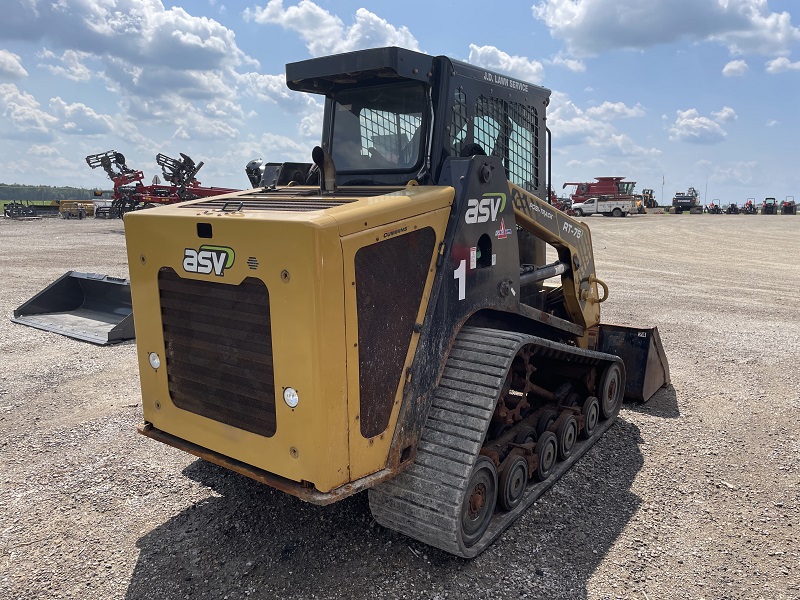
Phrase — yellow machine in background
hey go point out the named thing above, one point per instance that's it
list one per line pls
(386, 319)
(75, 209)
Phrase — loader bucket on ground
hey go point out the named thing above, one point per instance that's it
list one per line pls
(85, 306)
(646, 367)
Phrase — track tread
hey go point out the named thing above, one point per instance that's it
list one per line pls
(390, 503)
(424, 501)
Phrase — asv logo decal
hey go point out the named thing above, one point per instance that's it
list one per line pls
(208, 259)
(485, 209)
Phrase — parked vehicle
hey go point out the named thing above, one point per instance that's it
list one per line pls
(605, 207)
(360, 332)
(688, 201)
(769, 206)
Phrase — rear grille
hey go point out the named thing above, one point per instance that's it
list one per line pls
(219, 350)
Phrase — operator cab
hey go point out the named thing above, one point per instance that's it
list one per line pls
(393, 115)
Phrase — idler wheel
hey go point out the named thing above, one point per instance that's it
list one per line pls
(479, 502)
(513, 481)
(612, 386)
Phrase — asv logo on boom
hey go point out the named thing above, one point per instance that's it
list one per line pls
(485, 209)
(208, 259)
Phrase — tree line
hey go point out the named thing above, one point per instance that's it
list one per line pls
(43, 193)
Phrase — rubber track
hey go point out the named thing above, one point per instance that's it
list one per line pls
(424, 502)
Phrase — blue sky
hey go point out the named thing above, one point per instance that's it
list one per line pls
(698, 93)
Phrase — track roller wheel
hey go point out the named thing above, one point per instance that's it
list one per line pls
(612, 386)
(479, 501)
(513, 481)
(591, 416)
(546, 419)
(498, 429)
(526, 435)
(566, 435)
(547, 450)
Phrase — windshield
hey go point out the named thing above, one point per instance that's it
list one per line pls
(378, 128)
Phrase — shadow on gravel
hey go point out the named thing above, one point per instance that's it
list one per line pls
(250, 541)
(664, 404)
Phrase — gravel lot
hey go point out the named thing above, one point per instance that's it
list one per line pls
(693, 495)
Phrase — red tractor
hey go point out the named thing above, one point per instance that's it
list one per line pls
(130, 194)
(788, 206)
(750, 207)
(769, 207)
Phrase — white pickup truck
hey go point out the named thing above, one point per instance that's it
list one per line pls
(607, 208)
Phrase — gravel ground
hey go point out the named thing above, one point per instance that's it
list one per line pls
(692, 495)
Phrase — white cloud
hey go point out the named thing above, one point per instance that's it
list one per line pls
(591, 26)
(735, 68)
(311, 125)
(739, 173)
(782, 65)
(43, 150)
(325, 33)
(520, 67)
(23, 115)
(615, 110)
(78, 118)
(272, 89)
(693, 128)
(576, 66)
(773, 123)
(571, 125)
(619, 144)
(144, 53)
(71, 66)
(725, 115)
(10, 66)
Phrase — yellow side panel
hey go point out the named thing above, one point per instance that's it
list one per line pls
(368, 455)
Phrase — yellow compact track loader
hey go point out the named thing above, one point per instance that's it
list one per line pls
(388, 317)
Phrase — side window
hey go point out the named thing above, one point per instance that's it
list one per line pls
(487, 134)
(523, 147)
(490, 130)
(506, 129)
(458, 129)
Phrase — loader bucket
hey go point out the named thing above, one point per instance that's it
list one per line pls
(646, 367)
(85, 306)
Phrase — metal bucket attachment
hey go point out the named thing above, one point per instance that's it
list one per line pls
(85, 306)
(646, 367)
